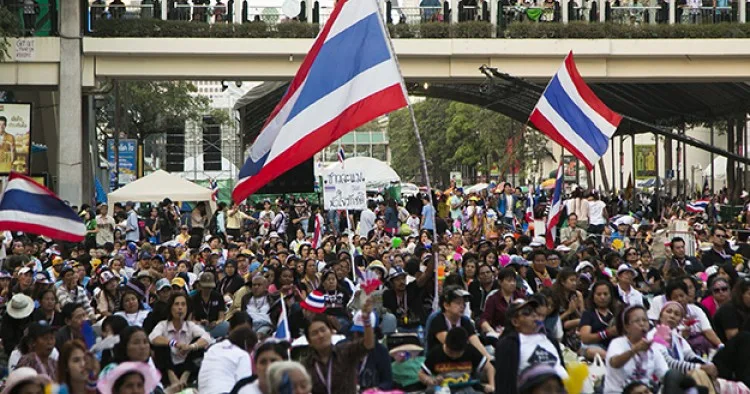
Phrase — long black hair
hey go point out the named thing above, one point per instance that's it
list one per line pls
(121, 348)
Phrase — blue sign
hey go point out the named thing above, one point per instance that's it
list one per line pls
(128, 155)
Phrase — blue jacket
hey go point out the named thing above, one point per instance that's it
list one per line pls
(502, 202)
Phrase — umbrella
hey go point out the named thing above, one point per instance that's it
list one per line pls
(548, 184)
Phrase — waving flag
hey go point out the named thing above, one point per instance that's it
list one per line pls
(349, 77)
(341, 155)
(318, 231)
(529, 217)
(32, 208)
(570, 114)
(214, 186)
(282, 326)
(697, 206)
(553, 217)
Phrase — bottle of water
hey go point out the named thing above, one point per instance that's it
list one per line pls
(420, 334)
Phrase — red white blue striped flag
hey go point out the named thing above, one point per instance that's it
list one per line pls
(553, 217)
(349, 77)
(570, 114)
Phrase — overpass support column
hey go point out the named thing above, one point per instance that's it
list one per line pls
(602, 10)
(493, 16)
(672, 12)
(454, 11)
(565, 16)
(237, 13)
(164, 10)
(70, 136)
(742, 10)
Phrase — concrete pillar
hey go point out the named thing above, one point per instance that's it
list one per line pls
(742, 10)
(49, 122)
(564, 6)
(165, 9)
(602, 10)
(238, 12)
(454, 11)
(308, 10)
(493, 16)
(672, 12)
(70, 138)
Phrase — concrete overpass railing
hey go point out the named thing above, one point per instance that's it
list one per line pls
(497, 12)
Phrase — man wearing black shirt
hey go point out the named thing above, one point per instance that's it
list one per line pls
(718, 254)
(453, 304)
(207, 304)
(689, 264)
(405, 301)
(480, 289)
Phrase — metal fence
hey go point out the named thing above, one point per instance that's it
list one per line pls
(500, 12)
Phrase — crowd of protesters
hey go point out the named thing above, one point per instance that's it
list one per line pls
(418, 294)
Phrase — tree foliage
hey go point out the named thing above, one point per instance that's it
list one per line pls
(461, 137)
(150, 107)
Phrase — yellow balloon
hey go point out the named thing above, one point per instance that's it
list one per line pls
(577, 375)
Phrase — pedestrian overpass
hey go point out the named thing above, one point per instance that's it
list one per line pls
(422, 60)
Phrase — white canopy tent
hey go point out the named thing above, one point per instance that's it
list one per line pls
(720, 163)
(156, 187)
(377, 173)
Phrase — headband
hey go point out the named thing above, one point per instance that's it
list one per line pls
(670, 303)
(627, 310)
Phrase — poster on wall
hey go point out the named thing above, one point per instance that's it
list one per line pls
(128, 155)
(645, 161)
(15, 138)
(344, 190)
(570, 169)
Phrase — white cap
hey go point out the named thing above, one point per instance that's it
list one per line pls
(625, 267)
(583, 264)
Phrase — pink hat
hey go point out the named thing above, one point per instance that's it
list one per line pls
(315, 302)
(151, 376)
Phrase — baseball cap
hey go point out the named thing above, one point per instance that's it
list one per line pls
(179, 282)
(207, 280)
(163, 283)
(452, 293)
(519, 304)
(625, 267)
(584, 264)
(107, 276)
(24, 270)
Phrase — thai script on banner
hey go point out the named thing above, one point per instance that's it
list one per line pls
(344, 190)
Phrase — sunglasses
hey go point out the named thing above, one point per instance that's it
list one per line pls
(720, 289)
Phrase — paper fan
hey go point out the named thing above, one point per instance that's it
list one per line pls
(663, 335)
(371, 282)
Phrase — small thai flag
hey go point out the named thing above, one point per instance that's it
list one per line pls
(555, 209)
(697, 206)
(529, 217)
(282, 327)
(341, 155)
(214, 186)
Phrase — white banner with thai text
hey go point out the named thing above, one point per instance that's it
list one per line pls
(344, 190)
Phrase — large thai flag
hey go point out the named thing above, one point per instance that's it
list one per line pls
(349, 77)
(32, 208)
(553, 217)
(697, 206)
(571, 114)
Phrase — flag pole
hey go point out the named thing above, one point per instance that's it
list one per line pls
(349, 223)
(422, 158)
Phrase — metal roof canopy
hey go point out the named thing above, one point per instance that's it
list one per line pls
(654, 108)
(646, 108)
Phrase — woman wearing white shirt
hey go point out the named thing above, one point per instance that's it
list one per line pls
(227, 362)
(631, 357)
(132, 309)
(597, 214)
(679, 355)
(702, 336)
